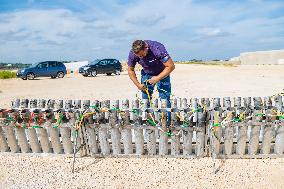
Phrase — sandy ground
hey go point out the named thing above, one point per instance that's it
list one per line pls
(25, 171)
(187, 81)
(54, 172)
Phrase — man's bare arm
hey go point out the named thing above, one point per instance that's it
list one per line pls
(133, 77)
(169, 67)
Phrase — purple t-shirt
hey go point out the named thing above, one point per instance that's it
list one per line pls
(152, 63)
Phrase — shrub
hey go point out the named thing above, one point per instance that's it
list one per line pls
(7, 74)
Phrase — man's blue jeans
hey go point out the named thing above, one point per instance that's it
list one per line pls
(163, 86)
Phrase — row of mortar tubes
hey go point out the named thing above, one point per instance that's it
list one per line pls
(72, 109)
(259, 112)
(42, 111)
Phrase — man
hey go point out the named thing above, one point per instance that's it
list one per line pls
(157, 66)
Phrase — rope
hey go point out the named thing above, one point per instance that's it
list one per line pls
(148, 94)
(58, 118)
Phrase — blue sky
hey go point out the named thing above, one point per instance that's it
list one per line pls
(37, 30)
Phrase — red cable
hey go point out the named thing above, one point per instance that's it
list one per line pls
(30, 119)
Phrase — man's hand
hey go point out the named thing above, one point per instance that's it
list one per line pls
(154, 80)
(141, 87)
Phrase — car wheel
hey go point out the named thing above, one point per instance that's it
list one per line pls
(30, 76)
(94, 73)
(60, 74)
(108, 73)
(117, 72)
(24, 78)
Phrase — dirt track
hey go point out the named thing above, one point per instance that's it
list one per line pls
(187, 81)
(23, 171)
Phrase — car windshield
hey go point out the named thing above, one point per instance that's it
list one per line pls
(34, 65)
(94, 62)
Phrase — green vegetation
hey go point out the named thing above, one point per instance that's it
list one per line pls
(7, 74)
(12, 66)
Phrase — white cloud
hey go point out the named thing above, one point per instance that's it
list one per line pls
(43, 25)
(212, 32)
(188, 28)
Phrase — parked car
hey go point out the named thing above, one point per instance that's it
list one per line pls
(104, 66)
(51, 69)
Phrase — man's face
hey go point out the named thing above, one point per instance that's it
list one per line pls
(142, 53)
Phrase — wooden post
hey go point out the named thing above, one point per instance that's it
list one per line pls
(242, 131)
(216, 131)
(156, 116)
(200, 129)
(187, 130)
(229, 130)
(68, 121)
(42, 132)
(20, 131)
(163, 142)
(208, 110)
(84, 150)
(243, 127)
(44, 138)
(126, 135)
(11, 139)
(10, 133)
(175, 138)
(237, 106)
(92, 129)
(54, 135)
(255, 126)
(32, 135)
(115, 133)
(268, 128)
(3, 143)
(279, 138)
(81, 131)
(103, 135)
(138, 130)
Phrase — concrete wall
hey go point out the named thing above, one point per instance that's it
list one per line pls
(262, 57)
(281, 61)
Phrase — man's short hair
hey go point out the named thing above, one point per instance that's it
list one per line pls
(138, 45)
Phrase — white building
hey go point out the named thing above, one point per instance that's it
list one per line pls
(74, 66)
(262, 57)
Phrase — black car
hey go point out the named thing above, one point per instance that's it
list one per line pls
(51, 69)
(104, 66)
